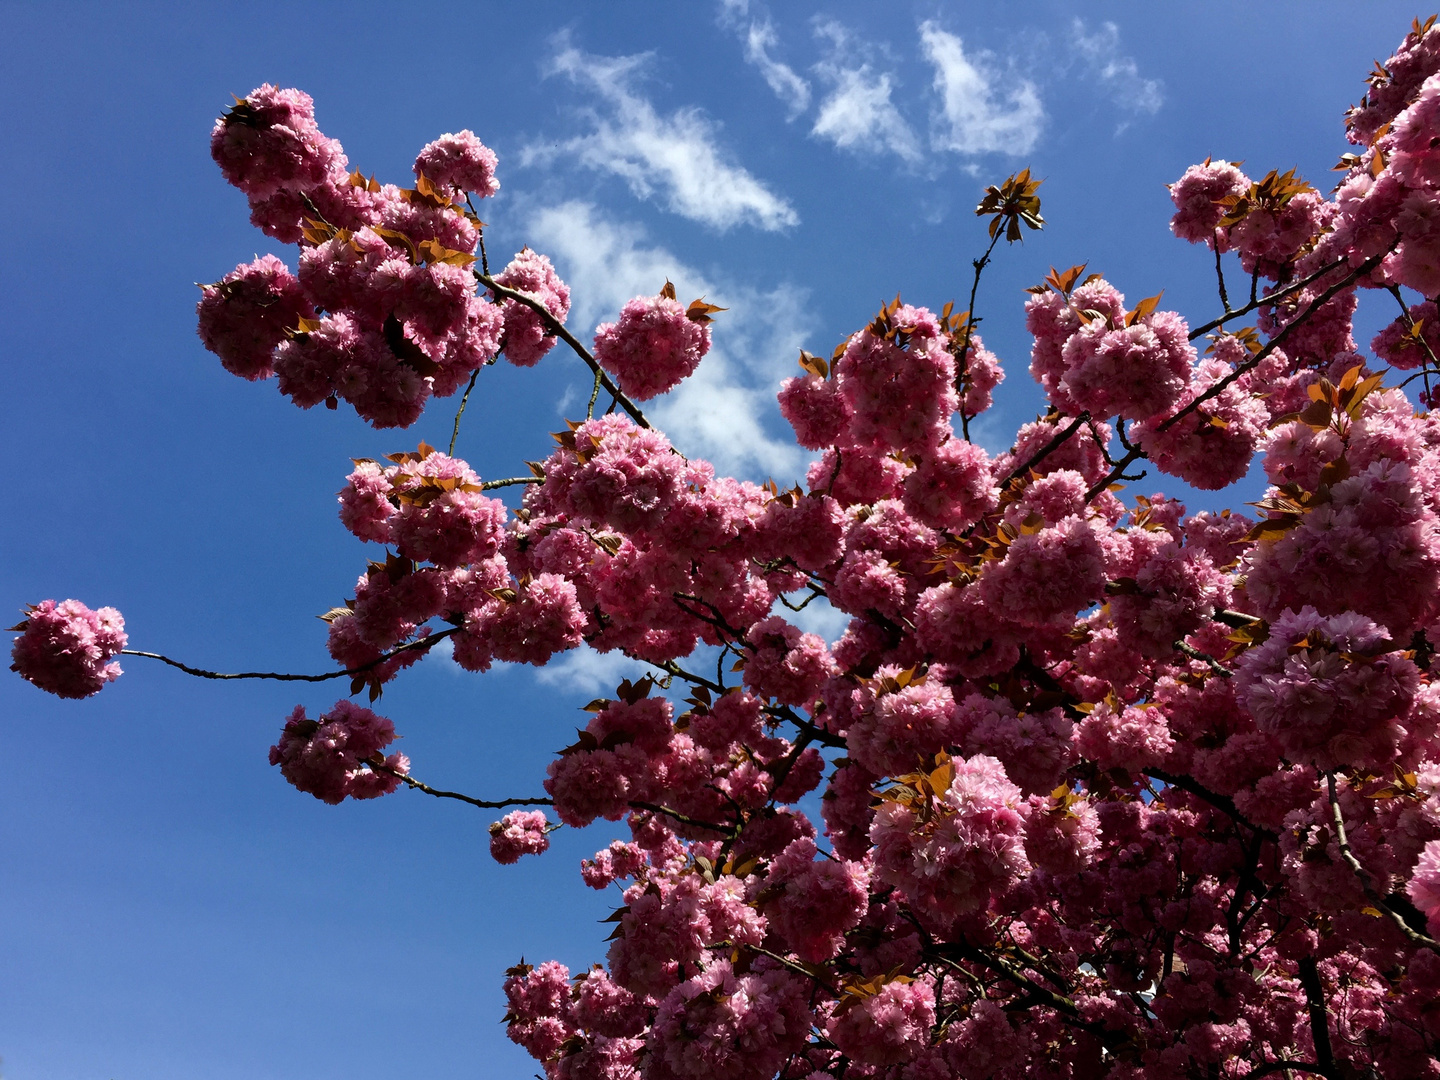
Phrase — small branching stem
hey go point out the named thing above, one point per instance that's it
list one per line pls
(201, 673)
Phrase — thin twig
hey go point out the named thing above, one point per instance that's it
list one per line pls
(510, 481)
(595, 393)
(1205, 658)
(483, 804)
(1274, 343)
(962, 360)
(1118, 473)
(557, 328)
(1220, 276)
(799, 969)
(1309, 974)
(1342, 841)
(464, 400)
(684, 819)
(201, 673)
(672, 668)
(480, 233)
(1045, 451)
(1394, 291)
(1264, 301)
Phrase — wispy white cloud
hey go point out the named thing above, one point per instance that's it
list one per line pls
(858, 113)
(1120, 75)
(672, 157)
(725, 411)
(760, 39)
(789, 87)
(976, 116)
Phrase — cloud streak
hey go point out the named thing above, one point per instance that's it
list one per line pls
(859, 114)
(673, 158)
(1120, 75)
(975, 116)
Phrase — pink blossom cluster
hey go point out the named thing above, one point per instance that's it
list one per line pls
(520, 832)
(339, 754)
(383, 311)
(652, 346)
(66, 648)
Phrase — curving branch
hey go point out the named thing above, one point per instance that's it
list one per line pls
(498, 804)
(201, 673)
(510, 481)
(1275, 342)
(962, 361)
(557, 328)
(1045, 451)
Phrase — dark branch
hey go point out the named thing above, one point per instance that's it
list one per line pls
(1278, 294)
(200, 673)
(556, 327)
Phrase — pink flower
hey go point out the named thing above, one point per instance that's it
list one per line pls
(652, 347)
(459, 162)
(539, 1000)
(1328, 689)
(888, 1027)
(520, 832)
(817, 902)
(65, 648)
(969, 847)
(443, 517)
(952, 486)
(1424, 887)
(900, 385)
(526, 338)
(245, 314)
(1135, 371)
(336, 755)
(898, 726)
(816, 410)
(617, 473)
(1197, 196)
(1125, 738)
(723, 1026)
(1046, 576)
(786, 665)
(268, 142)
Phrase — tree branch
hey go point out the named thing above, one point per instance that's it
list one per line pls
(1046, 450)
(1274, 343)
(464, 400)
(1342, 841)
(1263, 301)
(511, 480)
(557, 328)
(201, 673)
(1309, 974)
(962, 360)
(483, 804)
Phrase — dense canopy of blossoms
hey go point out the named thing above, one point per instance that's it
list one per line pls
(1105, 788)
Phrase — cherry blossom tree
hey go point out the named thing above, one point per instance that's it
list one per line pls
(1107, 789)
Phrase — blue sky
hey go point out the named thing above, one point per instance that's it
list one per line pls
(169, 907)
